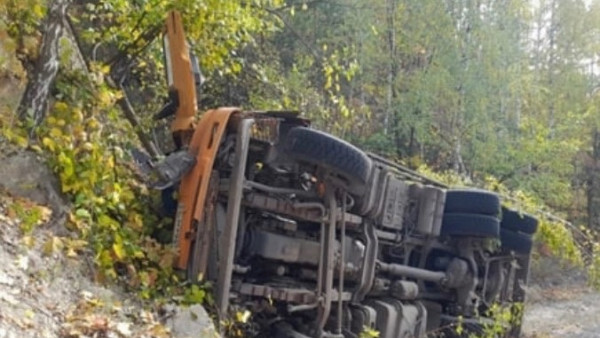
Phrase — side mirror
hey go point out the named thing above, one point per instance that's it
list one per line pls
(167, 60)
(197, 73)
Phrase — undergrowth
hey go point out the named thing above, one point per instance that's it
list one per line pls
(85, 141)
(499, 318)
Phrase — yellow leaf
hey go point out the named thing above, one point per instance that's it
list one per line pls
(93, 124)
(61, 106)
(28, 241)
(36, 148)
(105, 69)
(242, 317)
(29, 313)
(52, 245)
(21, 141)
(23, 262)
(88, 146)
(38, 11)
(77, 244)
(48, 143)
(71, 253)
(45, 213)
(55, 132)
(118, 250)
(110, 273)
(77, 115)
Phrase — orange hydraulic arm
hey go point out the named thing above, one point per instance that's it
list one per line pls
(201, 140)
(180, 77)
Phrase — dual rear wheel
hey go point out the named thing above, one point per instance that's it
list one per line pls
(477, 213)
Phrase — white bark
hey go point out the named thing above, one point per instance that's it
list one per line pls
(392, 7)
(35, 99)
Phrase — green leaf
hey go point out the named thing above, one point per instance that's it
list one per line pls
(83, 213)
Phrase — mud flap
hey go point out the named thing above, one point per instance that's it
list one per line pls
(204, 231)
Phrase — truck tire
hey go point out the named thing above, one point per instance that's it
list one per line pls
(515, 221)
(339, 157)
(517, 242)
(472, 201)
(470, 225)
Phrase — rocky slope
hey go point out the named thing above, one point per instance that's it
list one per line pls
(46, 279)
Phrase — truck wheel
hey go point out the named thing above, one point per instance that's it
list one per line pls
(514, 241)
(341, 158)
(472, 202)
(470, 225)
(515, 221)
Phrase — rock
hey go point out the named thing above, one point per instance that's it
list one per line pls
(192, 321)
(31, 178)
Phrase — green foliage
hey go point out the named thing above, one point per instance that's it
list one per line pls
(22, 18)
(194, 295)
(215, 28)
(473, 91)
(29, 214)
(312, 70)
(594, 270)
(19, 34)
(496, 322)
(83, 138)
(238, 324)
(503, 317)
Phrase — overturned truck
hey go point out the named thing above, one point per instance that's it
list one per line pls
(317, 238)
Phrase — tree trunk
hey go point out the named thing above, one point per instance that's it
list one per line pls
(391, 9)
(593, 187)
(34, 101)
(551, 67)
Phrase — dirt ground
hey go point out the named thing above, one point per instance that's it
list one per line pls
(43, 293)
(559, 303)
(564, 312)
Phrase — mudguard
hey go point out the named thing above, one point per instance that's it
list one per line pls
(194, 185)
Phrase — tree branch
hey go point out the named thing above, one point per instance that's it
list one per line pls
(131, 116)
(123, 103)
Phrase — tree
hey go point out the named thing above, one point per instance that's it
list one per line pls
(34, 102)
